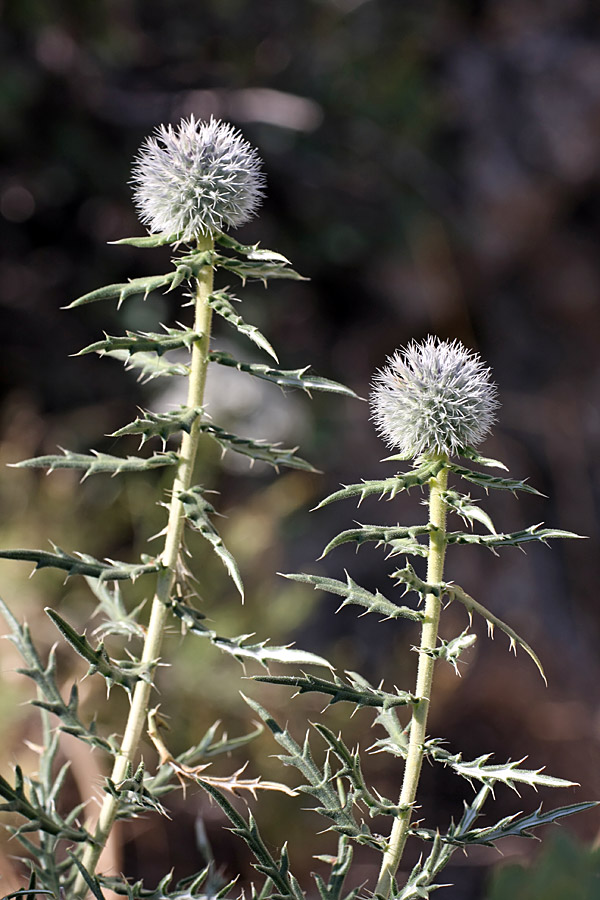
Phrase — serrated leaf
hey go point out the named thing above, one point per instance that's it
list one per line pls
(262, 653)
(220, 302)
(351, 769)
(263, 268)
(37, 818)
(403, 481)
(450, 651)
(491, 481)
(318, 781)
(516, 825)
(455, 592)
(293, 378)
(123, 290)
(257, 450)
(150, 240)
(98, 463)
(467, 509)
(419, 885)
(357, 691)
(145, 342)
(197, 510)
(149, 365)
(44, 677)
(340, 866)
(353, 593)
(513, 539)
(508, 773)
(474, 456)
(83, 564)
(283, 882)
(251, 251)
(161, 425)
(126, 674)
(383, 536)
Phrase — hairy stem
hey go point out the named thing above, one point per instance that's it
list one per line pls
(418, 725)
(170, 555)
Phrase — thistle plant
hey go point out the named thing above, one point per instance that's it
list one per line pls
(433, 403)
(191, 182)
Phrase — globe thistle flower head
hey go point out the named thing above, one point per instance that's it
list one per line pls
(433, 398)
(196, 179)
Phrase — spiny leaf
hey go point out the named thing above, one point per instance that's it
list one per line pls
(149, 365)
(358, 691)
(467, 509)
(45, 679)
(248, 831)
(474, 456)
(117, 619)
(251, 251)
(98, 463)
(37, 818)
(318, 782)
(383, 535)
(412, 581)
(262, 653)
(145, 342)
(513, 539)
(403, 481)
(508, 773)
(351, 769)
(161, 425)
(353, 593)
(197, 510)
(516, 825)
(148, 241)
(261, 269)
(220, 302)
(451, 650)
(122, 291)
(419, 885)
(83, 564)
(491, 481)
(340, 866)
(124, 673)
(240, 647)
(455, 592)
(409, 577)
(270, 453)
(294, 378)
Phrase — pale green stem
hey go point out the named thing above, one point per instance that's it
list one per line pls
(418, 725)
(124, 759)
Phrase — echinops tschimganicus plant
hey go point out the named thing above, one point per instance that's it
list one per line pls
(191, 183)
(433, 403)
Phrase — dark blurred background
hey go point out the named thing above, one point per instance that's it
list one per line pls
(432, 168)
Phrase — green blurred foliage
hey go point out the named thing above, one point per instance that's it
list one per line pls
(564, 869)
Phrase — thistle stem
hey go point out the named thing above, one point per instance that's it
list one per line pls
(173, 542)
(418, 725)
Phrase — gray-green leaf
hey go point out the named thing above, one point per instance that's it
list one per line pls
(197, 510)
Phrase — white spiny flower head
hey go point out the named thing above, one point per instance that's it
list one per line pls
(433, 398)
(196, 179)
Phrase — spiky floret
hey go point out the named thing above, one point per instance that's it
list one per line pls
(433, 398)
(196, 179)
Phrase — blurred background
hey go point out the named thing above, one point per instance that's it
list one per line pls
(432, 168)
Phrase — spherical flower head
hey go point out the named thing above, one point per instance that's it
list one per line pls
(434, 398)
(196, 179)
